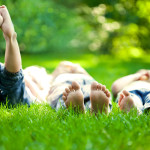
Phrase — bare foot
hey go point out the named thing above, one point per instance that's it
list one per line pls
(73, 97)
(125, 101)
(99, 98)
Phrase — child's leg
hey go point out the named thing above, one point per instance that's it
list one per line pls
(12, 54)
(147, 102)
(12, 87)
(99, 97)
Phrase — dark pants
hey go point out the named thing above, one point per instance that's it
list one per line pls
(12, 88)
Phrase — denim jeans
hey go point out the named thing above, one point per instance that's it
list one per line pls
(12, 88)
(141, 98)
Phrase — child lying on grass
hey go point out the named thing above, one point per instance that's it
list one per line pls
(133, 91)
(71, 85)
(81, 89)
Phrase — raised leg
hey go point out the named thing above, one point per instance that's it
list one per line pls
(12, 54)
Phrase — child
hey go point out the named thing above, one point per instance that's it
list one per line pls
(73, 86)
(133, 91)
(68, 85)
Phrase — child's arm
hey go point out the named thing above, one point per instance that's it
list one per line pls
(121, 83)
(12, 54)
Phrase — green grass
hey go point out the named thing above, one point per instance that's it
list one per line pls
(40, 127)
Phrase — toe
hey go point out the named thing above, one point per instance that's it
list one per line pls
(70, 87)
(126, 93)
(108, 95)
(64, 98)
(65, 94)
(75, 86)
(99, 86)
(106, 91)
(94, 86)
(120, 98)
(103, 88)
(67, 90)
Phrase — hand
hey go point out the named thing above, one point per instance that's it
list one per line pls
(144, 76)
(7, 25)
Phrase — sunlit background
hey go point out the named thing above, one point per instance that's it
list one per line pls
(117, 27)
(109, 38)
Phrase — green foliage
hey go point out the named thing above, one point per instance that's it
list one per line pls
(117, 27)
(43, 25)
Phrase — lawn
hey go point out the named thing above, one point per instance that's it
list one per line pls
(40, 127)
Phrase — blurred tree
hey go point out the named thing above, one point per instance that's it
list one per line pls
(43, 25)
(118, 27)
